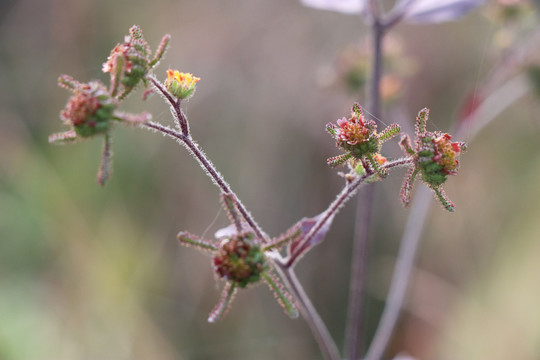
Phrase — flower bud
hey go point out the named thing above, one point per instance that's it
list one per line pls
(240, 261)
(89, 110)
(438, 157)
(180, 85)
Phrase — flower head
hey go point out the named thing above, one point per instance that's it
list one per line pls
(435, 157)
(240, 260)
(89, 110)
(180, 85)
(358, 136)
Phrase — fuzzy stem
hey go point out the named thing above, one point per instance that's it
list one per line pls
(207, 165)
(178, 114)
(230, 206)
(218, 179)
(346, 193)
(318, 328)
(106, 158)
(191, 240)
(284, 239)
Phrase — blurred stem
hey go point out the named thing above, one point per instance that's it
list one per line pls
(402, 272)
(499, 100)
(341, 199)
(311, 316)
(285, 266)
(354, 334)
(364, 208)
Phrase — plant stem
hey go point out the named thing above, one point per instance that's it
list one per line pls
(500, 99)
(353, 343)
(402, 272)
(354, 333)
(212, 172)
(318, 328)
(346, 193)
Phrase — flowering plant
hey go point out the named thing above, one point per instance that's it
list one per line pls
(243, 255)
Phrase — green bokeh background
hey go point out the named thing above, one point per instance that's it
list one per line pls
(96, 273)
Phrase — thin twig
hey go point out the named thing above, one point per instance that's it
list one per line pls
(212, 172)
(341, 199)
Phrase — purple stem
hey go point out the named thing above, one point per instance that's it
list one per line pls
(353, 341)
(210, 168)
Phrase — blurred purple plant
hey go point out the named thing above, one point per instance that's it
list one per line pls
(342, 6)
(435, 11)
(411, 11)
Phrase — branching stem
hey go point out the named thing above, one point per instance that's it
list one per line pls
(207, 165)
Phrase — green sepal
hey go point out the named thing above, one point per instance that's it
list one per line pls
(389, 132)
(282, 296)
(443, 198)
(224, 303)
(336, 161)
(382, 173)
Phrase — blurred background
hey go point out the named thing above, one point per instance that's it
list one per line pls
(96, 273)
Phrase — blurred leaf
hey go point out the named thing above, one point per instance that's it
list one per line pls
(435, 11)
(298, 247)
(342, 6)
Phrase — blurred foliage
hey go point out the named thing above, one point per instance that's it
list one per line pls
(89, 273)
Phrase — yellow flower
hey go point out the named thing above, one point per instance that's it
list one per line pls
(179, 84)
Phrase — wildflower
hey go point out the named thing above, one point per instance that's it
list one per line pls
(90, 109)
(90, 112)
(435, 157)
(240, 260)
(358, 136)
(180, 85)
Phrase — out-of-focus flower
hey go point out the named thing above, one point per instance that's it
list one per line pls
(342, 6)
(89, 111)
(351, 68)
(435, 11)
(412, 11)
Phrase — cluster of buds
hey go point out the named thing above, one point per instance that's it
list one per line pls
(434, 156)
(241, 259)
(130, 62)
(90, 109)
(358, 136)
(93, 107)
